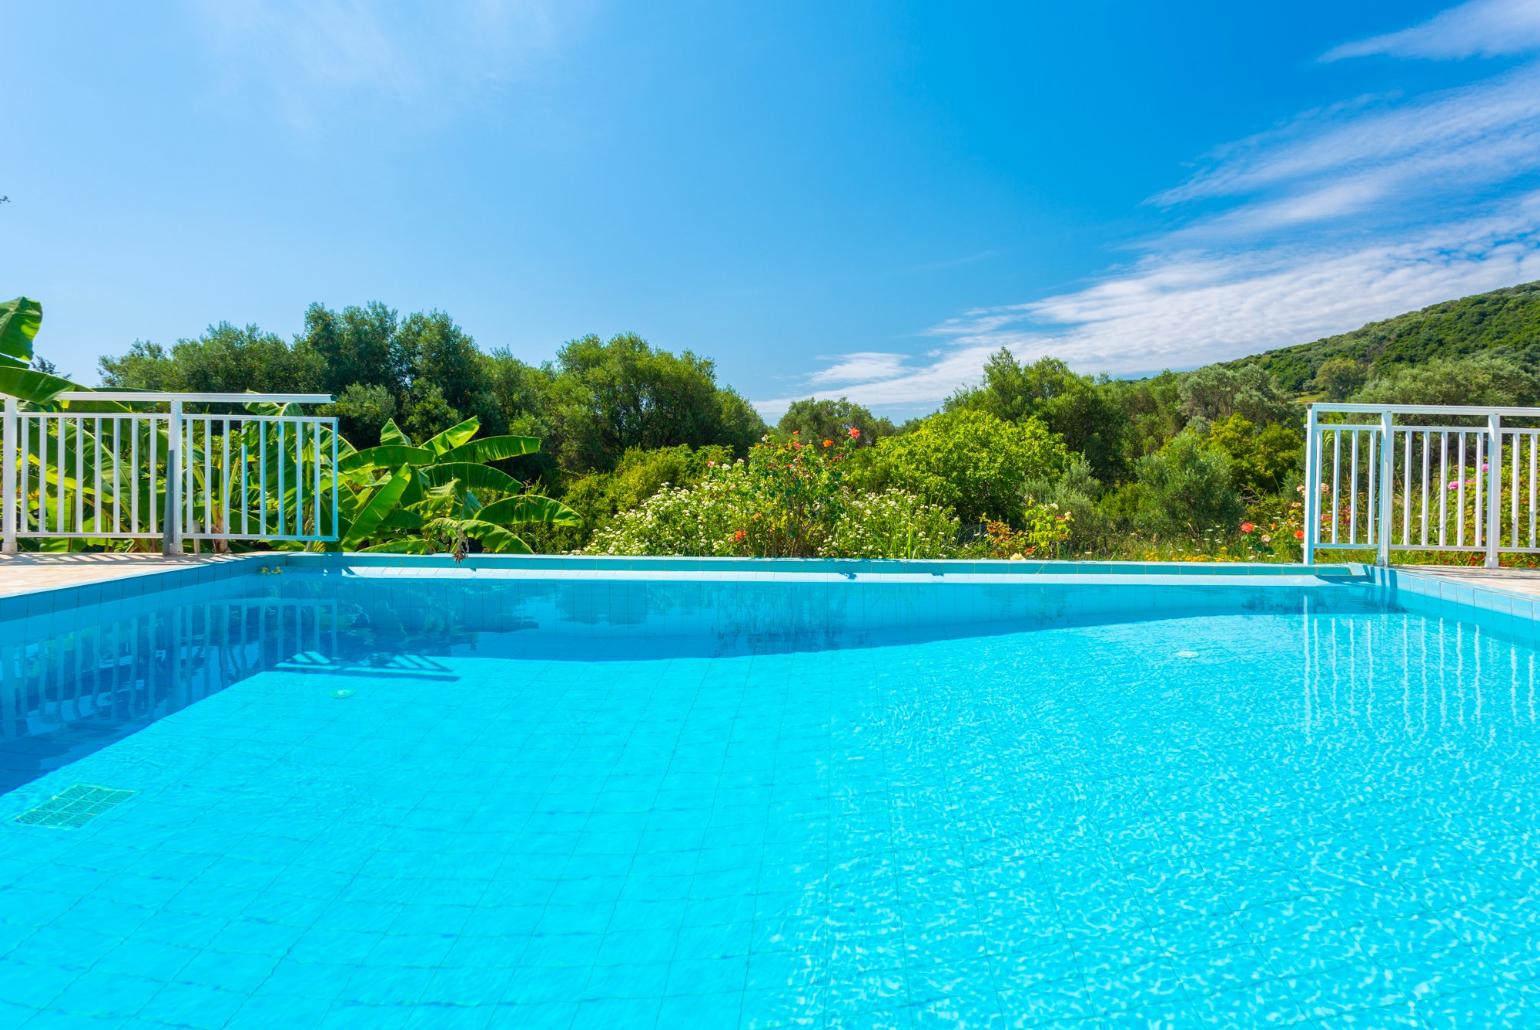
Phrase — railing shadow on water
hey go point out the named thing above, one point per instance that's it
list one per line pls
(1411, 676)
(71, 692)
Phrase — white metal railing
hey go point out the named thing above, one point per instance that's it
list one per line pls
(1396, 477)
(127, 465)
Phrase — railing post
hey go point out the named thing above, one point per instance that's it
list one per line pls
(8, 453)
(1494, 474)
(171, 518)
(1387, 496)
(1312, 490)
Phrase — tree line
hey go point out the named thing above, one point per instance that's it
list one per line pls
(657, 456)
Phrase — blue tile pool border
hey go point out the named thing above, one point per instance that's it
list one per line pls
(1410, 590)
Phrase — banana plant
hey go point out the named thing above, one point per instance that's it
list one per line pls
(20, 320)
(440, 495)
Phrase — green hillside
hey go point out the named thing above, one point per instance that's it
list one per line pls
(1506, 321)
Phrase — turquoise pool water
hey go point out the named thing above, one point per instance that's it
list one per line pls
(388, 800)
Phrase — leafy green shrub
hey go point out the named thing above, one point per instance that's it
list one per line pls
(892, 524)
(1075, 492)
(1186, 489)
(1494, 379)
(970, 461)
(787, 500)
(1262, 460)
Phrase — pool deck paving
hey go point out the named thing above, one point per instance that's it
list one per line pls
(1516, 581)
(26, 573)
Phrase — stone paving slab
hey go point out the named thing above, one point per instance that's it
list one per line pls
(25, 573)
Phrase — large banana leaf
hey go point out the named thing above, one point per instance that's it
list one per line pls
(526, 509)
(453, 437)
(493, 448)
(385, 456)
(492, 538)
(471, 476)
(19, 323)
(391, 434)
(380, 504)
(30, 385)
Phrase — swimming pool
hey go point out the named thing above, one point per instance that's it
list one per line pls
(340, 792)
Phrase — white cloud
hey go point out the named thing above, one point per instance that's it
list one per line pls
(1479, 28)
(1345, 215)
(861, 367)
(309, 55)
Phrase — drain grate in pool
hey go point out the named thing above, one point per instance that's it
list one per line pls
(75, 806)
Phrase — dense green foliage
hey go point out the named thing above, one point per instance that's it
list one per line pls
(649, 454)
(596, 400)
(1505, 323)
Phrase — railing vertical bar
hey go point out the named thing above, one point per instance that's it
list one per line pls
(63, 468)
(1336, 475)
(336, 516)
(117, 474)
(171, 514)
(1353, 494)
(8, 504)
(9, 449)
(1406, 489)
(1384, 475)
(315, 494)
(1459, 498)
(1513, 500)
(224, 478)
(262, 479)
(1494, 477)
(190, 478)
(1478, 510)
(80, 475)
(208, 474)
(1443, 484)
(1534, 466)
(1373, 529)
(24, 437)
(1425, 441)
(299, 478)
(96, 449)
(280, 478)
(245, 484)
(153, 525)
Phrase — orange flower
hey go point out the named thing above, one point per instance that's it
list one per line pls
(828, 443)
(740, 536)
(1299, 534)
(854, 432)
(1247, 527)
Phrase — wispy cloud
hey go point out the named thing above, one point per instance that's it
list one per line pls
(1480, 28)
(310, 56)
(862, 367)
(1344, 215)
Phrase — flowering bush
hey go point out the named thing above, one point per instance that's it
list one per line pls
(700, 520)
(892, 524)
(787, 500)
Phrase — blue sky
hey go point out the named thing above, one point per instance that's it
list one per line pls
(854, 198)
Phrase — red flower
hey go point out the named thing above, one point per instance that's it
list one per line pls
(796, 432)
(1299, 534)
(1247, 527)
(740, 536)
(854, 432)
